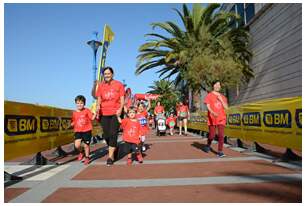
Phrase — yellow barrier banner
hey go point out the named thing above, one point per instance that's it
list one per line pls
(30, 128)
(277, 122)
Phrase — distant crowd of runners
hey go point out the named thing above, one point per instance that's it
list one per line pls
(115, 110)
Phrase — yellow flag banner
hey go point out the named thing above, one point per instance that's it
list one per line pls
(108, 37)
(277, 122)
(108, 34)
(30, 128)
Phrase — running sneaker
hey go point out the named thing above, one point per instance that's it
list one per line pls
(206, 148)
(129, 161)
(81, 156)
(86, 161)
(221, 154)
(139, 158)
(109, 162)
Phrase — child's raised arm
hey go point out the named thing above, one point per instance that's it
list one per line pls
(149, 105)
(119, 119)
(94, 115)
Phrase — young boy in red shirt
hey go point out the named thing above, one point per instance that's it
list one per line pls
(82, 126)
(131, 134)
(171, 121)
(142, 116)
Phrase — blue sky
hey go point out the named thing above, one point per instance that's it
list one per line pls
(47, 60)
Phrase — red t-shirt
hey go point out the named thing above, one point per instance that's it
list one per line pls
(171, 121)
(217, 107)
(142, 118)
(131, 131)
(82, 120)
(159, 109)
(182, 111)
(110, 94)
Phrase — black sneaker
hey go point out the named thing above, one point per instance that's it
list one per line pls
(206, 149)
(109, 162)
(221, 154)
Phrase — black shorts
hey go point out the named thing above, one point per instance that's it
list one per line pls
(181, 118)
(132, 147)
(84, 136)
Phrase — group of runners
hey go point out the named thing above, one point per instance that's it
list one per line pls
(114, 110)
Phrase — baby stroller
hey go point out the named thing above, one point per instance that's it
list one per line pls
(161, 124)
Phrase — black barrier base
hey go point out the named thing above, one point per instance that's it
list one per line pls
(240, 143)
(59, 152)
(10, 177)
(290, 156)
(260, 148)
(39, 159)
(225, 140)
(247, 147)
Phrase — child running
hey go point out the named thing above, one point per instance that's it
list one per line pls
(82, 126)
(142, 116)
(131, 134)
(171, 121)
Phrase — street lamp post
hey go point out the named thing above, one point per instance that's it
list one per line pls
(94, 44)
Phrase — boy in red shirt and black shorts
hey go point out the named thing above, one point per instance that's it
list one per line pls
(131, 134)
(82, 126)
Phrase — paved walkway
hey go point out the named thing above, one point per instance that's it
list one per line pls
(175, 169)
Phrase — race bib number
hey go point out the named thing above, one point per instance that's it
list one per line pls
(143, 121)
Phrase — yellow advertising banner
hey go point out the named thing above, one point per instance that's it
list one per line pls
(277, 122)
(30, 128)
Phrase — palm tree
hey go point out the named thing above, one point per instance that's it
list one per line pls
(169, 96)
(206, 33)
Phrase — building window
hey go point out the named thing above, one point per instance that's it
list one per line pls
(245, 11)
(232, 22)
(249, 12)
(240, 11)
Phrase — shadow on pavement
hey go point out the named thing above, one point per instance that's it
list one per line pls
(289, 190)
(99, 153)
(200, 146)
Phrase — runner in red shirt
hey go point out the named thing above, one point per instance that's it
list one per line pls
(82, 126)
(158, 110)
(183, 116)
(216, 105)
(131, 134)
(171, 121)
(142, 116)
(110, 103)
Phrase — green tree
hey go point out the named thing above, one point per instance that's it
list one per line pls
(208, 47)
(169, 96)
